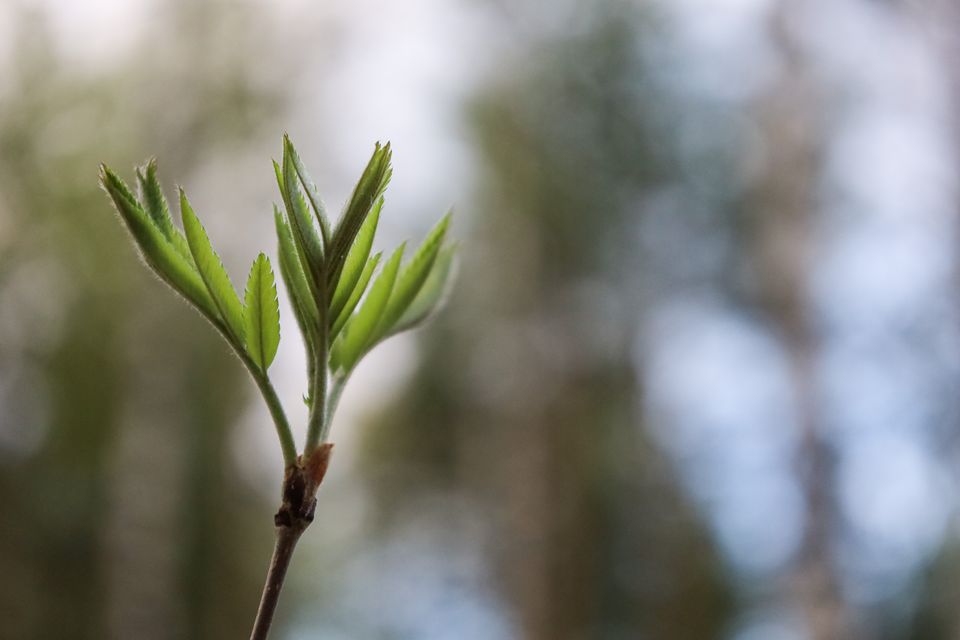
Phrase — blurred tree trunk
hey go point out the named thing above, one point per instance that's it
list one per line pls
(779, 242)
(528, 399)
(938, 615)
(115, 522)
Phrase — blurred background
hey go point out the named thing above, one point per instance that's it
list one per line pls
(698, 378)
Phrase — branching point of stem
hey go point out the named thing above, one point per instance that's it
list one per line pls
(296, 511)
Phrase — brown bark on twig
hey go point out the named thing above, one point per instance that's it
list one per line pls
(294, 516)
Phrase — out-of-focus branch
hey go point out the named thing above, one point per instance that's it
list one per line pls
(779, 241)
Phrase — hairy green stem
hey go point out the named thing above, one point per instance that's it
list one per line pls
(318, 411)
(280, 422)
(333, 399)
(287, 444)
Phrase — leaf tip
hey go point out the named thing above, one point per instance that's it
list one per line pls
(105, 173)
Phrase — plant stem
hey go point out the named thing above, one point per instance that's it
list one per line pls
(337, 383)
(300, 486)
(280, 422)
(318, 412)
(287, 444)
(287, 538)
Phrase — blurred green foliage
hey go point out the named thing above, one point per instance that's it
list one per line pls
(122, 515)
(534, 418)
(523, 434)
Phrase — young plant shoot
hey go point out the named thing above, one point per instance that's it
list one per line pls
(346, 299)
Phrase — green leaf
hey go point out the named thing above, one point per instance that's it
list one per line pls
(356, 261)
(262, 314)
(305, 236)
(156, 206)
(212, 271)
(371, 186)
(412, 277)
(301, 298)
(156, 250)
(304, 307)
(432, 294)
(312, 194)
(357, 334)
(278, 172)
(358, 290)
